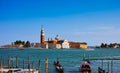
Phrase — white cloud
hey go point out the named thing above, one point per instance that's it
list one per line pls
(98, 34)
(102, 27)
(100, 31)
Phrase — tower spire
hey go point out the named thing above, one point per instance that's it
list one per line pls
(42, 35)
(42, 29)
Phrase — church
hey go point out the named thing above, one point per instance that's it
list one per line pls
(59, 44)
(53, 44)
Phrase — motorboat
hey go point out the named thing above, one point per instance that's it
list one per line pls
(89, 49)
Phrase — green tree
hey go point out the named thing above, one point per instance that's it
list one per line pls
(102, 45)
(27, 44)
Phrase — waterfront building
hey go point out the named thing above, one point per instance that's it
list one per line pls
(57, 43)
(64, 43)
(83, 45)
(45, 45)
(32, 45)
(35, 45)
(78, 45)
(54, 46)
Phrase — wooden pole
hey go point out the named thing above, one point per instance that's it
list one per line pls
(88, 57)
(32, 67)
(8, 62)
(29, 64)
(108, 67)
(46, 65)
(39, 66)
(23, 64)
(3, 62)
(112, 66)
(83, 55)
(16, 62)
(0, 66)
(12, 62)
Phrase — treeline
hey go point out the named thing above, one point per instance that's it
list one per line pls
(19, 42)
(111, 45)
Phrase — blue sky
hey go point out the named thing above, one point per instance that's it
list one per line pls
(91, 21)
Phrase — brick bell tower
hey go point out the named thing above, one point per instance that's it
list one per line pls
(42, 35)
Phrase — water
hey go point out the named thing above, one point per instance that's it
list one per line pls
(70, 59)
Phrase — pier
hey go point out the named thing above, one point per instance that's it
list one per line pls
(12, 66)
(103, 59)
(109, 63)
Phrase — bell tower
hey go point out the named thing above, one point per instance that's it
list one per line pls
(42, 35)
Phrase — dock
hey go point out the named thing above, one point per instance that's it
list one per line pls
(12, 66)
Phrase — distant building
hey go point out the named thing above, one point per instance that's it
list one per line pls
(83, 45)
(78, 45)
(32, 45)
(37, 45)
(54, 46)
(64, 43)
(57, 43)
(45, 45)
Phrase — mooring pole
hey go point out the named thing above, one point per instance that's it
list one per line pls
(83, 55)
(16, 62)
(8, 62)
(46, 65)
(39, 66)
(3, 62)
(0, 66)
(32, 67)
(112, 66)
(12, 62)
(29, 64)
(108, 67)
(23, 64)
(88, 57)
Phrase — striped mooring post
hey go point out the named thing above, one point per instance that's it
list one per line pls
(16, 62)
(39, 66)
(46, 65)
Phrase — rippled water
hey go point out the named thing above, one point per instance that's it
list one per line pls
(70, 59)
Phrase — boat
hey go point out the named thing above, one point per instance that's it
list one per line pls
(18, 70)
(14, 70)
(58, 67)
(85, 67)
(28, 71)
(89, 49)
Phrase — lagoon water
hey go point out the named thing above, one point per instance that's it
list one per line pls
(70, 59)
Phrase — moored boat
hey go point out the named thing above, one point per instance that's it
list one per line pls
(85, 67)
(89, 49)
(58, 67)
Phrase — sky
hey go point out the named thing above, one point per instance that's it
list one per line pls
(91, 21)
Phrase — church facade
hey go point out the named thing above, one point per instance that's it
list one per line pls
(58, 44)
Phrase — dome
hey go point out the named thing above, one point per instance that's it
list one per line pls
(57, 37)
